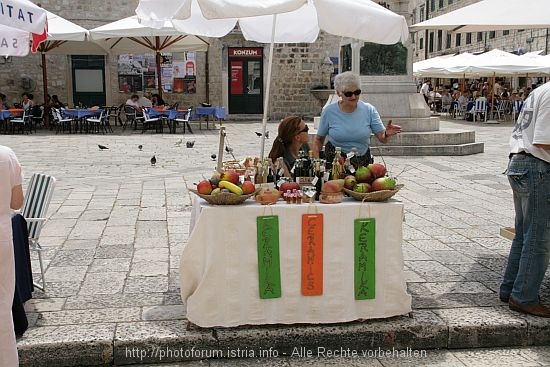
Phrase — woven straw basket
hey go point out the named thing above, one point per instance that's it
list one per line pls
(224, 198)
(381, 195)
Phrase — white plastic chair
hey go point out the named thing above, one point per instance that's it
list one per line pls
(150, 121)
(501, 109)
(22, 121)
(184, 119)
(35, 207)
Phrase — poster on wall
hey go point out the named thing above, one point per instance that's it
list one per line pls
(190, 84)
(149, 81)
(137, 72)
(130, 83)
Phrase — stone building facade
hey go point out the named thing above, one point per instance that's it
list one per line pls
(297, 68)
(431, 43)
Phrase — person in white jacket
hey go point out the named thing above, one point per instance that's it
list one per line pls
(11, 197)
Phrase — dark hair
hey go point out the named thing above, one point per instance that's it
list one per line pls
(288, 129)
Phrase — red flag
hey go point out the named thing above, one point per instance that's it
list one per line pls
(37, 39)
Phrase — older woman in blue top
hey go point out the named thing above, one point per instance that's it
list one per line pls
(350, 123)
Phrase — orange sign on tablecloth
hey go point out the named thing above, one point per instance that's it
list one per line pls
(312, 254)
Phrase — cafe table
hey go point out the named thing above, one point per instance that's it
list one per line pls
(6, 115)
(217, 112)
(80, 115)
(219, 266)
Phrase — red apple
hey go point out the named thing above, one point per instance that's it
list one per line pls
(248, 187)
(231, 176)
(377, 169)
(363, 174)
(204, 187)
(383, 183)
(362, 187)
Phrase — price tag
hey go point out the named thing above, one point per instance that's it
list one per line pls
(280, 182)
(352, 169)
(269, 269)
(314, 181)
(281, 171)
(326, 176)
(292, 170)
(364, 258)
(350, 155)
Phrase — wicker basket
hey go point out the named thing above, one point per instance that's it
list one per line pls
(224, 198)
(381, 195)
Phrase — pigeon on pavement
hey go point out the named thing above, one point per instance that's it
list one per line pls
(102, 147)
(178, 143)
(260, 134)
(190, 143)
(213, 156)
(153, 160)
(140, 147)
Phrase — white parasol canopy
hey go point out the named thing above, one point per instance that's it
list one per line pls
(494, 62)
(278, 21)
(13, 42)
(492, 15)
(22, 15)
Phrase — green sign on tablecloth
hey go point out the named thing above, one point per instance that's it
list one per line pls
(364, 258)
(269, 270)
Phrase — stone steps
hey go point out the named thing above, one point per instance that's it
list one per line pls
(424, 150)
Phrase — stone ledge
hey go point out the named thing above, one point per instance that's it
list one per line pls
(469, 327)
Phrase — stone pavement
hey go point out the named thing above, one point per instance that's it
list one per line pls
(118, 225)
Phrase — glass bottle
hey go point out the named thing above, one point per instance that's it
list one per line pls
(337, 168)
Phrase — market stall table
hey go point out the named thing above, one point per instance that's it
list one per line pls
(215, 111)
(219, 265)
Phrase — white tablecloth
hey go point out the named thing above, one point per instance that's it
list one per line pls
(219, 265)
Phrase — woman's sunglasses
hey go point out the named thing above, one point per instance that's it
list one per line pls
(304, 130)
(355, 92)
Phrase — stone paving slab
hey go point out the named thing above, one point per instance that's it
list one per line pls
(117, 226)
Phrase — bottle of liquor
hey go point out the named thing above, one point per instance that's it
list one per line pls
(337, 167)
(318, 170)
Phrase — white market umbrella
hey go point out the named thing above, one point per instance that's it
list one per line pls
(492, 15)
(18, 18)
(129, 36)
(279, 21)
(15, 42)
(22, 15)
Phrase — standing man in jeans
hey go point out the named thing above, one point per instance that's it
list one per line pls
(529, 176)
(11, 197)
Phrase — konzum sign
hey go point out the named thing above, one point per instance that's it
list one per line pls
(246, 52)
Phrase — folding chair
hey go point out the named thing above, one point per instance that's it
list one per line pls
(35, 207)
(100, 123)
(516, 108)
(480, 107)
(501, 110)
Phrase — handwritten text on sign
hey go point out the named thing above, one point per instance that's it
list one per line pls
(364, 258)
(269, 271)
(312, 254)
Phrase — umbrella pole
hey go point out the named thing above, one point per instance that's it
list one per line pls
(268, 86)
(159, 79)
(45, 83)
(493, 96)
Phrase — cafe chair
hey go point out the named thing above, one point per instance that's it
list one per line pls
(61, 122)
(131, 116)
(183, 117)
(100, 123)
(149, 121)
(501, 110)
(35, 207)
(21, 122)
(516, 108)
(481, 108)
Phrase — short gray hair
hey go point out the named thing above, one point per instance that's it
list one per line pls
(346, 80)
